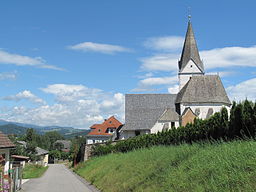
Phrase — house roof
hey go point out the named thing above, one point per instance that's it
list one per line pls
(5, 142)
(143, 110)
(40, 151)
(169, 115)
(101, 129)
(66, 143)
(20, 157)
(203, 89)
(190, 51)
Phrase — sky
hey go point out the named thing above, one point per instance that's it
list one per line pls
(70, 63)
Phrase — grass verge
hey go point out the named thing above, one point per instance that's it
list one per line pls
(198, 167)
(33, 171)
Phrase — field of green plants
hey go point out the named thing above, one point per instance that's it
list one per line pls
(222, 166)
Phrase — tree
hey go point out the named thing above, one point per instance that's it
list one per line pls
(30, 135)
(247, 119)
(224, 122)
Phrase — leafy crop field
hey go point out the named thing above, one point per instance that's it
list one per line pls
(229, 166)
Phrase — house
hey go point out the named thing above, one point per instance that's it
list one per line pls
(199, 96)
(104, 132)
(19, 160)
(41, 154)
(65, 143)
(5, 146)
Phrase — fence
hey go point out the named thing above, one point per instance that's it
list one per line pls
(12, 181)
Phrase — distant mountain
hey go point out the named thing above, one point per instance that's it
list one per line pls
(20, 129)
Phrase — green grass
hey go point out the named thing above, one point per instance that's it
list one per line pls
(198, 167)
(33, 171)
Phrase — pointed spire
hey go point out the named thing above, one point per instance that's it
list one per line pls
(190, 51)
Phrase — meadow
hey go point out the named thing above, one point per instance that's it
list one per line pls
(219, 166)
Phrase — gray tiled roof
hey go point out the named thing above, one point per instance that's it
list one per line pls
(203, 89)
(169, 115)
(143, 110)
(40, 151)
(190, 51)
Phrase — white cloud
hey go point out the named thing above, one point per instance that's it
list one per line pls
(76, 105)
(243, 90)
(215, 58)
(20, 60)
(159, 81)
(69, 93)
(166, 43)
(160, 62)
(8, 76)
(25, 95)
(98, 47)
(230, 57)
(223, 73)
(174, 89)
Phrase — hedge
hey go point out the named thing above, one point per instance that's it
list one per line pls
(240, 124)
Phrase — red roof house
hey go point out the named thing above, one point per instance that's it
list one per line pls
(105, 131)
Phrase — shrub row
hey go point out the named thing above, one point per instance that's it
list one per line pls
(241, 124)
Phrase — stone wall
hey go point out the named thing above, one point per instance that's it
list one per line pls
(87, 149)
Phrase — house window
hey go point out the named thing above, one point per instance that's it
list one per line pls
(172, 124)
(191, 66)
(137, 133)
(110, 122)
(99, 130)
(93, 141)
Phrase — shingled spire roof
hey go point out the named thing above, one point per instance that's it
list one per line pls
(190, 51)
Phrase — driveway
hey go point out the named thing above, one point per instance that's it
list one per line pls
(57, 179)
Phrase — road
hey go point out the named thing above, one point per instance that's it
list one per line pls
(56, 179)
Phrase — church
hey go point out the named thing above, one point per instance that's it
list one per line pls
(199, 96)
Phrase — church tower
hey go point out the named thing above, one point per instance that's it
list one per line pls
(190, 63)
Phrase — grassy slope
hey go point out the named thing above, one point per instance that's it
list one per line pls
(218, 167)
(33, 171)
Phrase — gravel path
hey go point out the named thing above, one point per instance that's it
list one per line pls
(57, 179)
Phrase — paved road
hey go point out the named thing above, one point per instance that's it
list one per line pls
(56, 179)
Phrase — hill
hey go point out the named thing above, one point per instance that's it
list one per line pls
(198, 167)
(20, 129)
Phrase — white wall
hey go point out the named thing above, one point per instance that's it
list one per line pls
(131, 133)
(96, 140)
(191, 68)
(158, 127)
(204, 108)
(7, 159)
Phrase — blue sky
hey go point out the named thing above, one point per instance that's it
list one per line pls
(70, 63)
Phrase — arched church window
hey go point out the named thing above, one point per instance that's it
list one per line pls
(209, 113)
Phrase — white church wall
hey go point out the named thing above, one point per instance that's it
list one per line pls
(131, 133)
(158, 127)
(187, 72)
(191, 67)
(203, 108)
